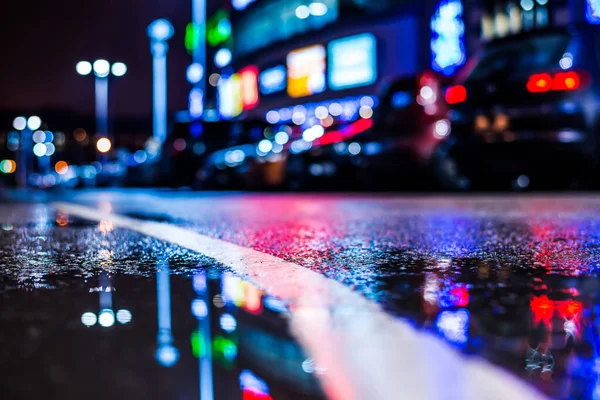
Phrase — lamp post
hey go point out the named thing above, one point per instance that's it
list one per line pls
(102, 70)
(159, 31)
(25, 126)
(198, 92)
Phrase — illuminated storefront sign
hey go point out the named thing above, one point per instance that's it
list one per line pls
(273, 80)
(592, 12)
(352, 61)
(241, 4)
(447, 41)
(306, 71)
(267, 22)
(249, 87)
(218, 28)
(230, 99)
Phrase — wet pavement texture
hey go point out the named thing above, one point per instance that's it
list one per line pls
(90, 311)
(511, 279)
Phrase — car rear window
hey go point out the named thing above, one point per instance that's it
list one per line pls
(523, 57)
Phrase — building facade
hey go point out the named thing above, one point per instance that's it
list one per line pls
(275, 58)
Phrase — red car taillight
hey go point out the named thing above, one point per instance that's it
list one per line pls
(561, 81)
(456, 94)
(539, 83)
(566, 81)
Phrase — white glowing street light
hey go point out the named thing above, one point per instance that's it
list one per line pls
(25, 126)
(102, 70)
(119, 69)
(83, 68)
(159, 31)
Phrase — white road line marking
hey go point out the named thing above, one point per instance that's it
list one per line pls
(364, 352)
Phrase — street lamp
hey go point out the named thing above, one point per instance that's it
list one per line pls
(159, 31)
(102, 70)
(197, 94)
(25, 126)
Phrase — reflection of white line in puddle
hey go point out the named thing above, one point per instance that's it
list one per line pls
(361, 351)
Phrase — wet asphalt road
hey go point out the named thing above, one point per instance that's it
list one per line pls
(511, 279)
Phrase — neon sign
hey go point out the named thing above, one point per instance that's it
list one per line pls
(273, 80)
(230, 99)
(592, 11)
(447, 40)
(306, 71)
(241, 4)
(249, 87)
(352, 61)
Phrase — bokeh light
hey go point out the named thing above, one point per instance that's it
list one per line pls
(354, 148)
(83, 68)
(50, 149)
(80, 134)
(318, 9)
(119, 69)
(194, 73)
(124, 316)
(20, 123)
(103, 145)
(442, 128)
(228, 323)
(89, 319)
(302, 12)
(265, 146)
(61, 167)
(39, 136)
(167, 355)
(223, 58)
(106, 318)
(213, 79)
(140, 156)
(8, 166)
(101, 68)
(281, 138)
(39, 149)
(179, 144)
(34, 122)
(160, 30)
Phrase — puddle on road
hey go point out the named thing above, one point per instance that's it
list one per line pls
(211, 335)
(123, 316)
(543, 328)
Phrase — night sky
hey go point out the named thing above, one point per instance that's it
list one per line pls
(43, 40)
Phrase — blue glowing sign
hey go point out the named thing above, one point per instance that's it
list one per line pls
(273, 79)
(447, 40)
(592, 11)
(352, 61)
(241, 4)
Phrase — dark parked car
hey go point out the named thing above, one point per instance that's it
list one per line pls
(391, 150)
(527, 114)
(190, 144)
